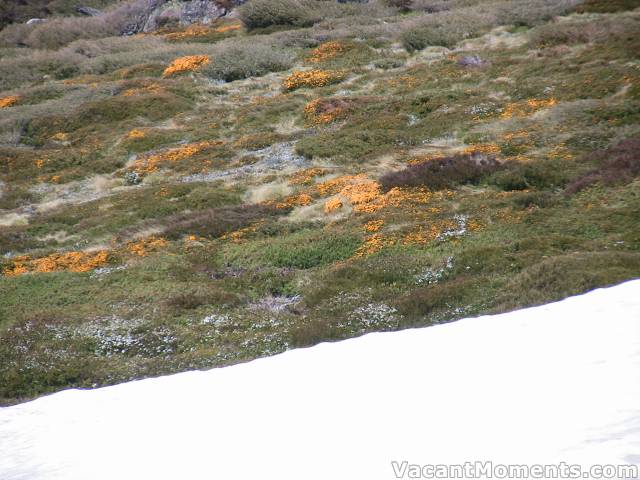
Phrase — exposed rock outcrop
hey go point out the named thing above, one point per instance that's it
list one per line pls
(88, 11)
(155, 14)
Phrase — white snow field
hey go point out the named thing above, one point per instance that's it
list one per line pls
(556, 383)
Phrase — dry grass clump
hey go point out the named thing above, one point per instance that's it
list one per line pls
(215, 222)
(312, 79)
(35, 66)
(585, 31)
(248, 60)
(446, 28)
(619, 164)
(126, 17)
(441, 173)
(186, 64)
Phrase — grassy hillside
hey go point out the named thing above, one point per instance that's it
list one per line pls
(303, 172)
(19, 11)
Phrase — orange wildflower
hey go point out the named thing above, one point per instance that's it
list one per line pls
(9, 101)
(186, 64)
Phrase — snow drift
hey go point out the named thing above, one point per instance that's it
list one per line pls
(560, 382)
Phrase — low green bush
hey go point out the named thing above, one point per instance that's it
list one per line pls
(244, 61)
(265, 13)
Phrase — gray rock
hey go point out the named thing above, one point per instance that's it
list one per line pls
(33, 21)
(471, 61)
(88, 11)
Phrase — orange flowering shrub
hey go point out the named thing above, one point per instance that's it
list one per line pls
(9, 101)
(372, 244)
(332, 204)
(487, 148)
(305, 177)
(238, 235)
(291, 201)
(373, 225)
(186, 64)
(152, 163)
(136, 133)
(528, 107)
(151, 88)
(326, 51)
(58, 262)
(199, 30)
(60, 137)
(366, 195)
(363, 196)
(334, 185)
(423, 235)
(312, 78)
(144, 247)
(322, 111)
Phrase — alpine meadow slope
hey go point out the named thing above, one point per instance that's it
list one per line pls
(181, 191)
(544, 385)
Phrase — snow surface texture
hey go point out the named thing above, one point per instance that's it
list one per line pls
(560, 382)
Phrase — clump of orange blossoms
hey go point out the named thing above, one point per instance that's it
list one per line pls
(152, 163)
(522, 109)
(366, 195)
(487, 148)
(9, 101)
(326, 51)
(199, 30)
(373, 225)
(186, 64)
(143, 247)
(306, 176)
(58, 262)
(332, 204)
(292, 201)
(312, 78)
(321, 111)
(136, 133)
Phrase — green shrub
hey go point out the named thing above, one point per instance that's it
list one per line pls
(532, 12)
(246, 61)
(541, 174)
(265, 13)
(607, 6)
(562, 276)
(320, 251)
(446, 29)
(590, 31)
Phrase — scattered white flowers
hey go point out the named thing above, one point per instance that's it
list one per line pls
(434, 276)
(456, 232)
(375, 315)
